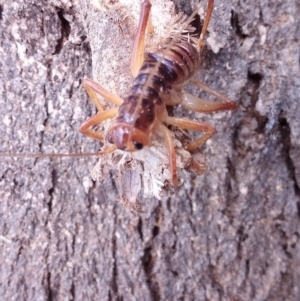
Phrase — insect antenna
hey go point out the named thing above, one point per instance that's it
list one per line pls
(48, 155)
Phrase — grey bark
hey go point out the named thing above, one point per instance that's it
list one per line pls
(229, 234)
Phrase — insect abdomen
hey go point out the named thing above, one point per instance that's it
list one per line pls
(178, 63)
(160, 72)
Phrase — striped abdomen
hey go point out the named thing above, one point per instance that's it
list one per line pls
(161, 71)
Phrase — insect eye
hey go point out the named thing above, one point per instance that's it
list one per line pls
(138, 145)
(109, 139)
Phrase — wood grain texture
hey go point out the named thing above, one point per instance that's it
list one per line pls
(230, 234)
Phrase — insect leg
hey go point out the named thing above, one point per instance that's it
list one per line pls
(92, 88)
(196, 104)
(208, 130)
(172, 97)
(172, 155)
(209, 10)
(98, 118)
(201, 105)
(137, 54)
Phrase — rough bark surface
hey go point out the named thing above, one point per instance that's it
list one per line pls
(230, 234)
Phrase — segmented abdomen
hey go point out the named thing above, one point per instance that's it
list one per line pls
(160, 72)
(178, 63)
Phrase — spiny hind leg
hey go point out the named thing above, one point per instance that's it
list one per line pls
(197, 104)
(137, 54)
(208, 130)
(171, 150)
(191, 102)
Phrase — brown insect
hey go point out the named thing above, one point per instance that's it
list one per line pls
(160, 77)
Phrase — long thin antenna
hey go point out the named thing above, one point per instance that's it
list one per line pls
(45, 155)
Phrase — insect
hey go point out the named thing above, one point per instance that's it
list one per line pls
(160, 77)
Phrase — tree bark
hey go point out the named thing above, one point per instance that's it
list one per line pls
(229, 234)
